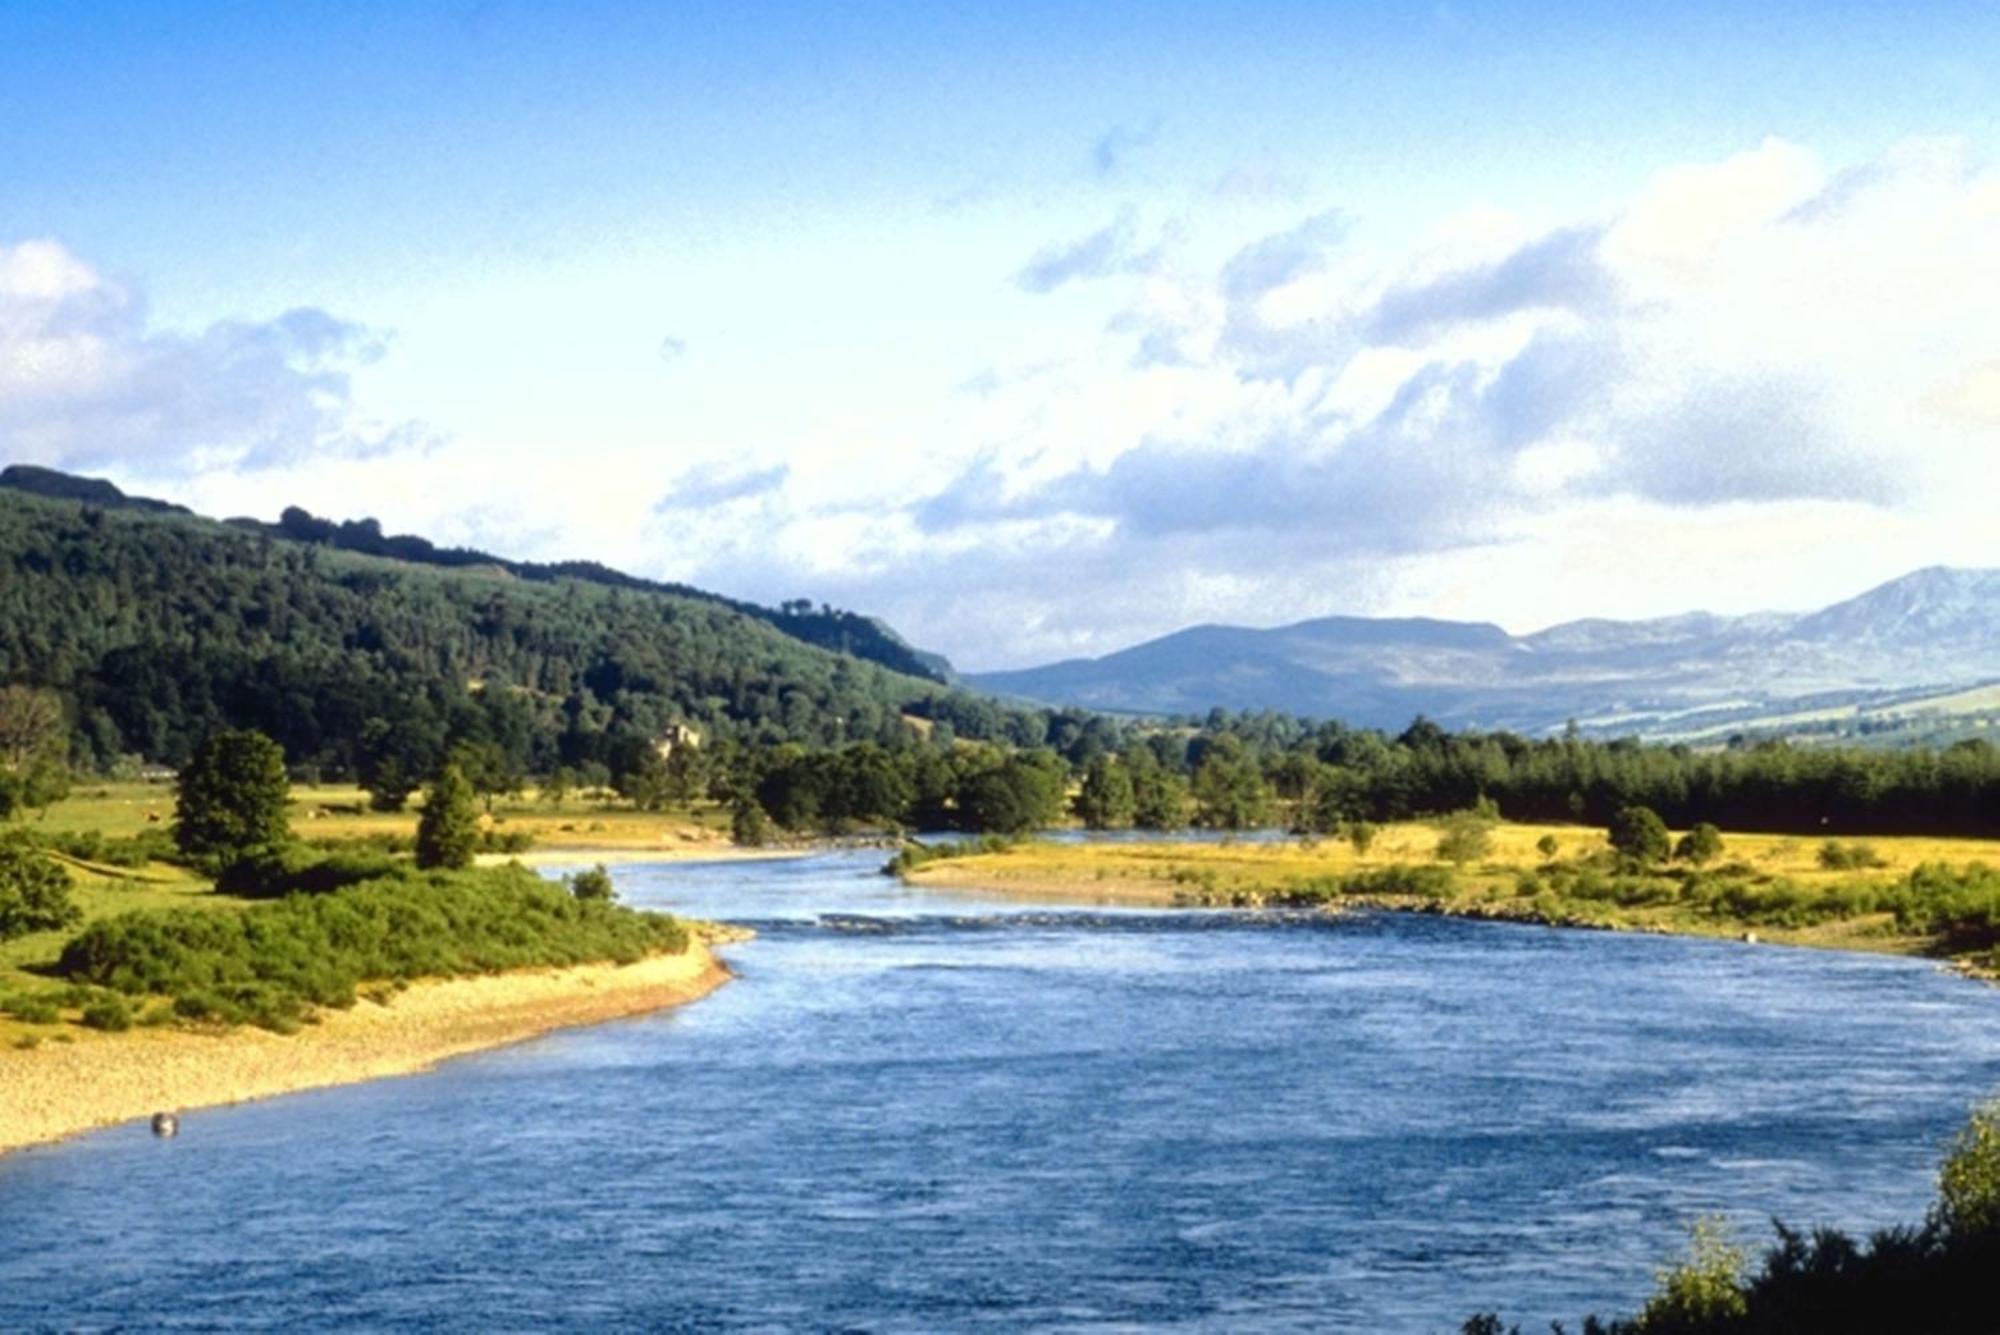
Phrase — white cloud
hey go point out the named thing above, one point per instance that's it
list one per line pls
(85, 383)
(1742, 338)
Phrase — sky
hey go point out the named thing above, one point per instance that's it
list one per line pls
(1035, 329)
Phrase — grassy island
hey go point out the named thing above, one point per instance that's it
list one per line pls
(1906, 895)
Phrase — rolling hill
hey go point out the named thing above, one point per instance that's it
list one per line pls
(156, 626)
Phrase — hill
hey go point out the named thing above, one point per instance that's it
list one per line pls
(1929, 634)
(826, 627)
(156, 626)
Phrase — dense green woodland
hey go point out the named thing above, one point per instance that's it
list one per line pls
(160, 628)
(827, 627)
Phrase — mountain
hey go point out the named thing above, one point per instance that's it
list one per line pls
(827, 627)
(157, 625)
(1672, 676)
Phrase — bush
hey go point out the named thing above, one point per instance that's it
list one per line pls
(914, 855)
(1548, 846)
(270, 962)
(593, 883)
(1638, 833)
(1836, 856)
(39, 1009)
(1969, 1180)
(110, 1012)
(749, 827)
(272, 873)
(1701, 845)
(1360, 837)
(1465, 837)
(34, 892)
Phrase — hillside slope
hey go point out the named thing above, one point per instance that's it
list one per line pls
(1932, 629)
(826, 627)
(157, 626)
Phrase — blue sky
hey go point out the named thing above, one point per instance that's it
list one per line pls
(1035, 328)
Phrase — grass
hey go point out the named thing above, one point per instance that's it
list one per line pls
(1773, 884)
(27, 962)
(341, 812)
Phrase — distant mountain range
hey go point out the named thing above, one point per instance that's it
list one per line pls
(1928, 632)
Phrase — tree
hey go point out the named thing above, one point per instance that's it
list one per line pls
(593, 883)
(31, 725)
(557, 787)
(487, 769)
(1638, 833)
(749, 827)
(1229, 791)
(1361, 837)
(1465, 836)
(1701, 845)
(448, 827)
(1159, 796)
(1969, 1180)
(34, 891)
(230, 798)
(1023, 792)
(34, 769)
(1106, 800)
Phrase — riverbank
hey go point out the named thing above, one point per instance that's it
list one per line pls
(60, 1089)
(1770, 889)
(585, 855)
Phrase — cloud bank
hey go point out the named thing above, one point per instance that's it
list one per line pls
(85, 383)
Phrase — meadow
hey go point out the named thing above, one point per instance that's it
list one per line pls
(125, 818)
(1780, 888)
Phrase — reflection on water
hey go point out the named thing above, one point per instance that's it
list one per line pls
(918, 1112)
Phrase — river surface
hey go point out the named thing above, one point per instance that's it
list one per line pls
(919, 1111)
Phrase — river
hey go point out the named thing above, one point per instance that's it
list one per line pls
(918, 1111)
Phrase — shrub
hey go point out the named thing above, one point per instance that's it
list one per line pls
(110, 1012)
(39, 1009)
(271, 962)
(271, 873)
(1969, 1179)
(1548, 846)
(34, 892)
(1836, 856)
(1360, 837)
(1465, 837)
(749, 827)
(1638, 833)
(1706, 1287)
(593, 883)
(1701, 845)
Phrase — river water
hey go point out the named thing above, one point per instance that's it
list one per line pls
(917, 1111)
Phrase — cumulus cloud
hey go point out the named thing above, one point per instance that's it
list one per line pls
(86, 383)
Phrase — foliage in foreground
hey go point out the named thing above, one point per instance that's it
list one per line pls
(272, 962)
(1931, 1279)
(34, 891)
